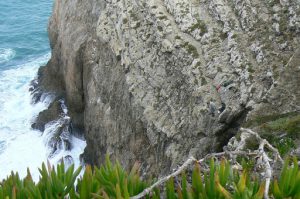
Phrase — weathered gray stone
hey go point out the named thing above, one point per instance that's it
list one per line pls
(138, 75)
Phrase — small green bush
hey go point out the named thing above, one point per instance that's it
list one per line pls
(288, 185)
(281, 130)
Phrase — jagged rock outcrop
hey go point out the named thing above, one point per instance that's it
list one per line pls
(145, 79)
(52, 113)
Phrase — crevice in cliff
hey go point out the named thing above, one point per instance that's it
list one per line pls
(77, 109)
(231, 129)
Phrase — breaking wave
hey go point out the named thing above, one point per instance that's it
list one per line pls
(20, 145)
(6, 55)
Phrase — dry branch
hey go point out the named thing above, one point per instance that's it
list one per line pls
(163, 180)
(268, 169)
(239, 151)
(269, 146)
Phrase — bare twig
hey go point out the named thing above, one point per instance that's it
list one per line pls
(265, 158)
(211, 155)
(163, 180)
(268, 169)
(266, 143)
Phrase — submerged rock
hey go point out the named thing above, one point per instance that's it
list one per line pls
(59, 136)
(56, 127)
(138, 76)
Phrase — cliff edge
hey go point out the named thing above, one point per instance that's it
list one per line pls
(159, 80)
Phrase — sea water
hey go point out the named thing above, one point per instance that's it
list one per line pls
(24, 46)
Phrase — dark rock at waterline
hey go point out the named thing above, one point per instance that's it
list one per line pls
(57, 144)
(35, 91)
(61, 138)
(45, 83)
(66, 139)
(33, 85)
(51, 81)
(36, 95)
(61, 135)
(68, 160)
(52, 113)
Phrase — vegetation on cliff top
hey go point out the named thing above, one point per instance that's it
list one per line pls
(282, 130)
(239, 172)
(220, 181)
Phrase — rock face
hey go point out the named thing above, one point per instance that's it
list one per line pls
(145, 79)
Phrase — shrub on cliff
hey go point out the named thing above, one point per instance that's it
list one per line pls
(220, 181)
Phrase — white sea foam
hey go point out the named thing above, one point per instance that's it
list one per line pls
(77, 144)
(20, 146)
(6, 54)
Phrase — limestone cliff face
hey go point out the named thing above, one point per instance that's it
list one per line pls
(144, 78)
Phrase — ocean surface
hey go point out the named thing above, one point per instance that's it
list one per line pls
(24, 46)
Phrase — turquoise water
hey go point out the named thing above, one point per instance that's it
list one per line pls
(23, 31)
(24, 46)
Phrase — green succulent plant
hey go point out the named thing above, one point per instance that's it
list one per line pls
(288, 185)
(110, 180)
(217, 184)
